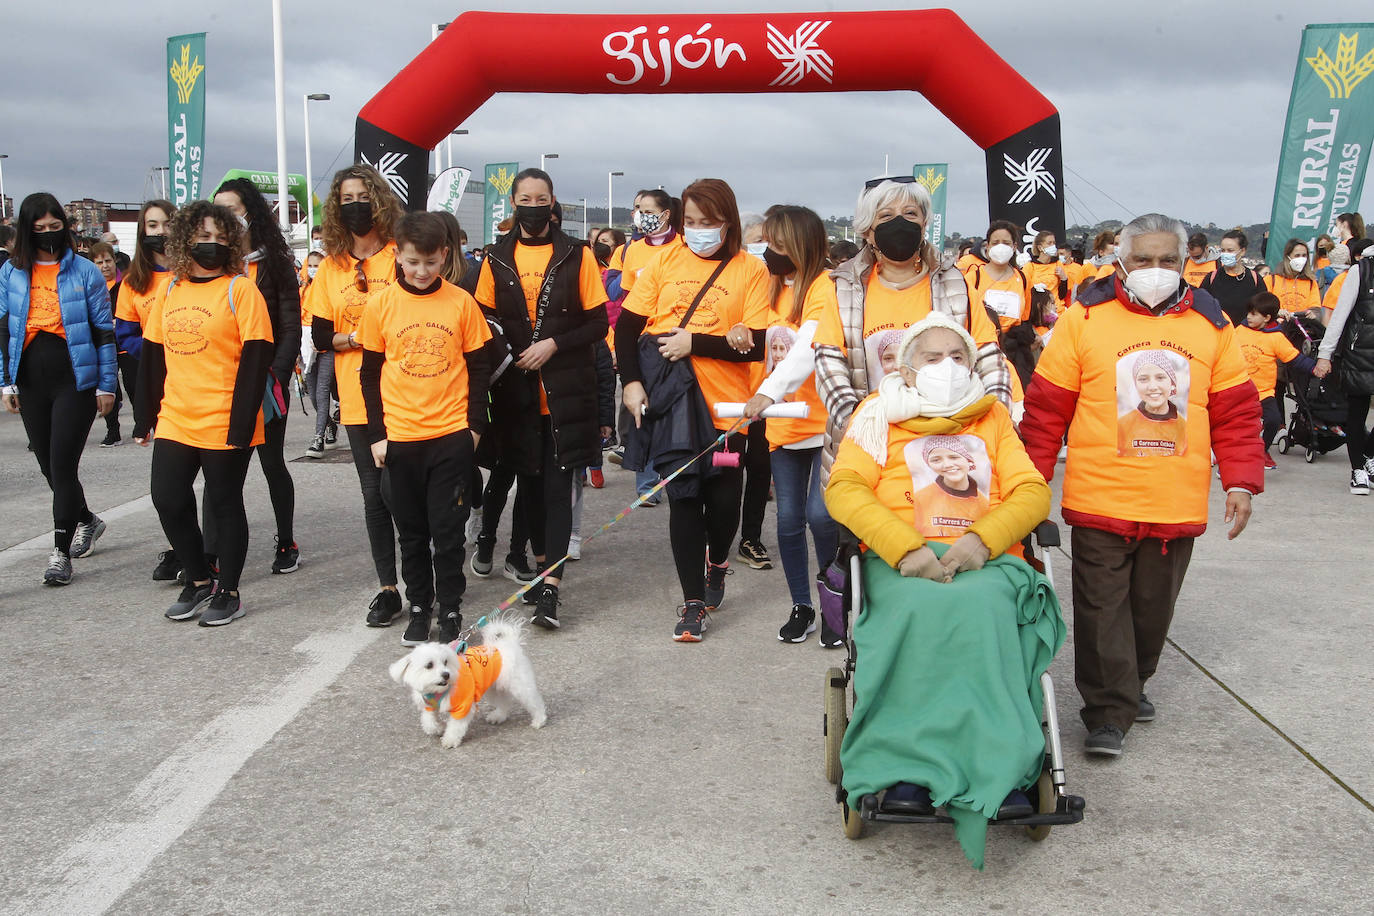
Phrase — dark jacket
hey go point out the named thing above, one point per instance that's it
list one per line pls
(677, 424)
(569, 377)
(605, 385)
(1355, 351)
(281, 288)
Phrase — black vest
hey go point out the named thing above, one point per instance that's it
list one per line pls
(1355, 351)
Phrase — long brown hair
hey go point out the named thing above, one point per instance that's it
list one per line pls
(386, 210)
(455, 265)
(716, 200)
(181, 237)
(801, 234)
(140, 275)
(1286, 269)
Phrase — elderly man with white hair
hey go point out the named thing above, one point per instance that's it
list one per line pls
(1144, 374)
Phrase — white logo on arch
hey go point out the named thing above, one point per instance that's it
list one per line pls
(800, 54)
(387, 166)
(1030, 176)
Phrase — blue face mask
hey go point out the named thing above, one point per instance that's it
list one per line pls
(704, 242)
(1227, 259)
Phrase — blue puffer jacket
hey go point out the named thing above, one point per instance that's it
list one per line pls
(86, 318)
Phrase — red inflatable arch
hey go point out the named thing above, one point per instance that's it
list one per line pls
(932, 52)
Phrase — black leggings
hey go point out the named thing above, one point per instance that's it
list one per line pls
(425, 484)
(548, 503)
(272, 457)
(758, 474)
(57, 419)
(174, 470)
(381, 533)
(1357, 438)
(494, 497)
(706, 524)
(1273, 420)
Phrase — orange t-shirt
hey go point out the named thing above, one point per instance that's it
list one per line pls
(424, 339)
(45, 310)
(1045, 275)
(1116, 360)
(1296, 294)
(819, 302)
(478, 669)
(1194, 273)
(1008, 297)
(335, 297)
(530, 263)
(664, 291)
(1263, 351)
(136, 306)
(968, 262)
(202, 338)
(636, 257)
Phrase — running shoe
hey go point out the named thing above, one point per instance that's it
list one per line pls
(85, 536)
(111, 439)
(331, 432)
(384, 608)
(481, 558)
(1145, 710)
(754, 554)
(1369, 467)
(531, 597)
(575, 547)
(1105, 741)
(59, 571)
(597, 478)
(799, 625)
(715, 585)
(691, 622)
(617, 457)
(417, 631)
(287, 560)
(546, 611)
(223, 609)
(1359, 485)
(518, 570)
(316, 449)
(829, 638)
(1269, 463)
(193, 598)
(450, 626)
(168, 567)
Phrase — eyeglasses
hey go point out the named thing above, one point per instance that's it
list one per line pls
(898, 179)
(361, 280)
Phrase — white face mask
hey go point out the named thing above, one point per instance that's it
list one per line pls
(1297, 264)
(1000, 253)
(705, 242)
(943, 383)
(1227, 259)
(1052, 250)
(310, 271)
(1153, 285)
(757, 249)
(635, 219)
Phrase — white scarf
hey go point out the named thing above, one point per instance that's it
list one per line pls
(896, 402)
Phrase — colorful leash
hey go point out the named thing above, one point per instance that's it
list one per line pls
(460, 645)
(620, 516)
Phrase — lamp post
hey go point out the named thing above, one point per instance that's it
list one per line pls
(163, 170)
(586, 232)
(610, 197)
(543, 157)
(3, 157)
(279, 69)
(452, 134)
(309, 186)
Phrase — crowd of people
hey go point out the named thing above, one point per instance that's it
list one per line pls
(939, 396)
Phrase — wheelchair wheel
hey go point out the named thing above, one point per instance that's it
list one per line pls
(853, 823)
(836, 720)
(1310, 455)
(1047, 802)
(1283, 443)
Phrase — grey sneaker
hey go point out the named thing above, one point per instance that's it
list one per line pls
(59, 571)
(85, 536)
(691, 621)
(192, 600)
(316, 448)
(715, 585)
(1105, 741)
(223, 608)
(1145, 711)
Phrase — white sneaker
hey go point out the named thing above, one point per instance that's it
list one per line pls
(575, 547)
(1369, 468)
(474, 527)
(1359, 482)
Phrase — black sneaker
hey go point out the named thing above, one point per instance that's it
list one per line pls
(287, 560)
(385, 608)
(331, 432)
(801, 624)
(531, 597)
(168, 567)
(316, 449)
(715, 585)
(482, 558)
(85, 536)
(518, 570)
(755, 554)
(1105, 741)
(223, 609)
(59, 571)
(829, 638)
(691, 622)
(546, 612)
(450, 626)
(111, 439)
(1145, 711)
(617, 457)
(417, 631)
(192, 599)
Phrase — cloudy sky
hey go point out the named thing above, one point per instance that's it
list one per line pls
(1166, 106)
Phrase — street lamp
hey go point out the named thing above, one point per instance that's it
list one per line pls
(585, 232)
(610, 208)
(309, 187)
(164, 170)
(543, 157)
(452, 134)
(3, 156)
(434, 29)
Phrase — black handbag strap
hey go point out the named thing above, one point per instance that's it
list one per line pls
(701, 293)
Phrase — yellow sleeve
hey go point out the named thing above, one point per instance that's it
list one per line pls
(1059, 364)
(852, 500)
(589, 280)
(152, 328)
(369, 334)
(980, 326)
(473, 326)
(1284, 351)
(316, 296)
(1313, 298)
(1025, 495)
(617, 261)
(1230, 368)
(643, 299)
(486, 285)
(250, 309)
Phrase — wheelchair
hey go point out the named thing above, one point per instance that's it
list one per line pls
(1053, 805)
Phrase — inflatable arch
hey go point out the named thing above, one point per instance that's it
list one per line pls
(932, 52)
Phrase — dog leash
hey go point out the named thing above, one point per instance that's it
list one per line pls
(623, 513)
(461, 644)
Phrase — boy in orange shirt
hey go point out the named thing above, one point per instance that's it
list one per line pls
(1263, 345)
(424, 384)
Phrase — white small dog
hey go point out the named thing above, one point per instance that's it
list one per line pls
(443, 683)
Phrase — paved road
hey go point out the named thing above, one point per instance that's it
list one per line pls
(271, 766)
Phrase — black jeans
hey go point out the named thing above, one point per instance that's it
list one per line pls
(494, 497)
(272, 457)
(57, 419)
(704, 527)
(174, 469)
(381, 534)
(548, 503)
(758, 475)
(425, 484)
(1357, 438)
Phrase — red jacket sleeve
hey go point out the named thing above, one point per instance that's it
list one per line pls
(1235, 416)
(1049, 409)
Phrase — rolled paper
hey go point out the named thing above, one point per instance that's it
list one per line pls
(789, 410)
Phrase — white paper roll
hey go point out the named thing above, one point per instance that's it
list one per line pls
(789, 410)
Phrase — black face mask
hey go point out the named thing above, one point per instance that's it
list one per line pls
(210, 255)
(157, 244)
(779, 265)
(357, 217)
(898, 239)
(602, 252)
(534, 220)
(54, 240)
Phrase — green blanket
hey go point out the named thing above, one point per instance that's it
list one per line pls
(947, 687)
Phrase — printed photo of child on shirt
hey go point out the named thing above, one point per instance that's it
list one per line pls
(951, 477)
(777, 344)
(1152, 404)
(880, 348)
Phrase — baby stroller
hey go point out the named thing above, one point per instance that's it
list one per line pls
(1053, 805)
(1314, 423)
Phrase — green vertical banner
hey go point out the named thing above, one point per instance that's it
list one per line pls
(499, 178)
(934, 177)
(186, 114)
(1327, 138)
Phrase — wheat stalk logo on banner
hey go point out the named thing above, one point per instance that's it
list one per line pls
(184, 73)
(1344, 73)
(930, 180)
(502, 181)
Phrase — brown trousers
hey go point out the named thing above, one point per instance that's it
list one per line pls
(1123, 602)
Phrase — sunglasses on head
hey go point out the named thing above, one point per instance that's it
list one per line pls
(899, 179)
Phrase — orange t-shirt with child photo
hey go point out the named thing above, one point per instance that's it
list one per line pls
(782, 334)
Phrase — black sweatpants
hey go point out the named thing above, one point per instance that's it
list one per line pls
(548, 503)
(1357, 438)
(174, 469)
(1273, 420)
(425, 485)
(758, 476)
(494, 497)
(280, 488)
(57, 419)
(381, 534)
(704, 527)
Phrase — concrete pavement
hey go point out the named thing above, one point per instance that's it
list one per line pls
(271, 766)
